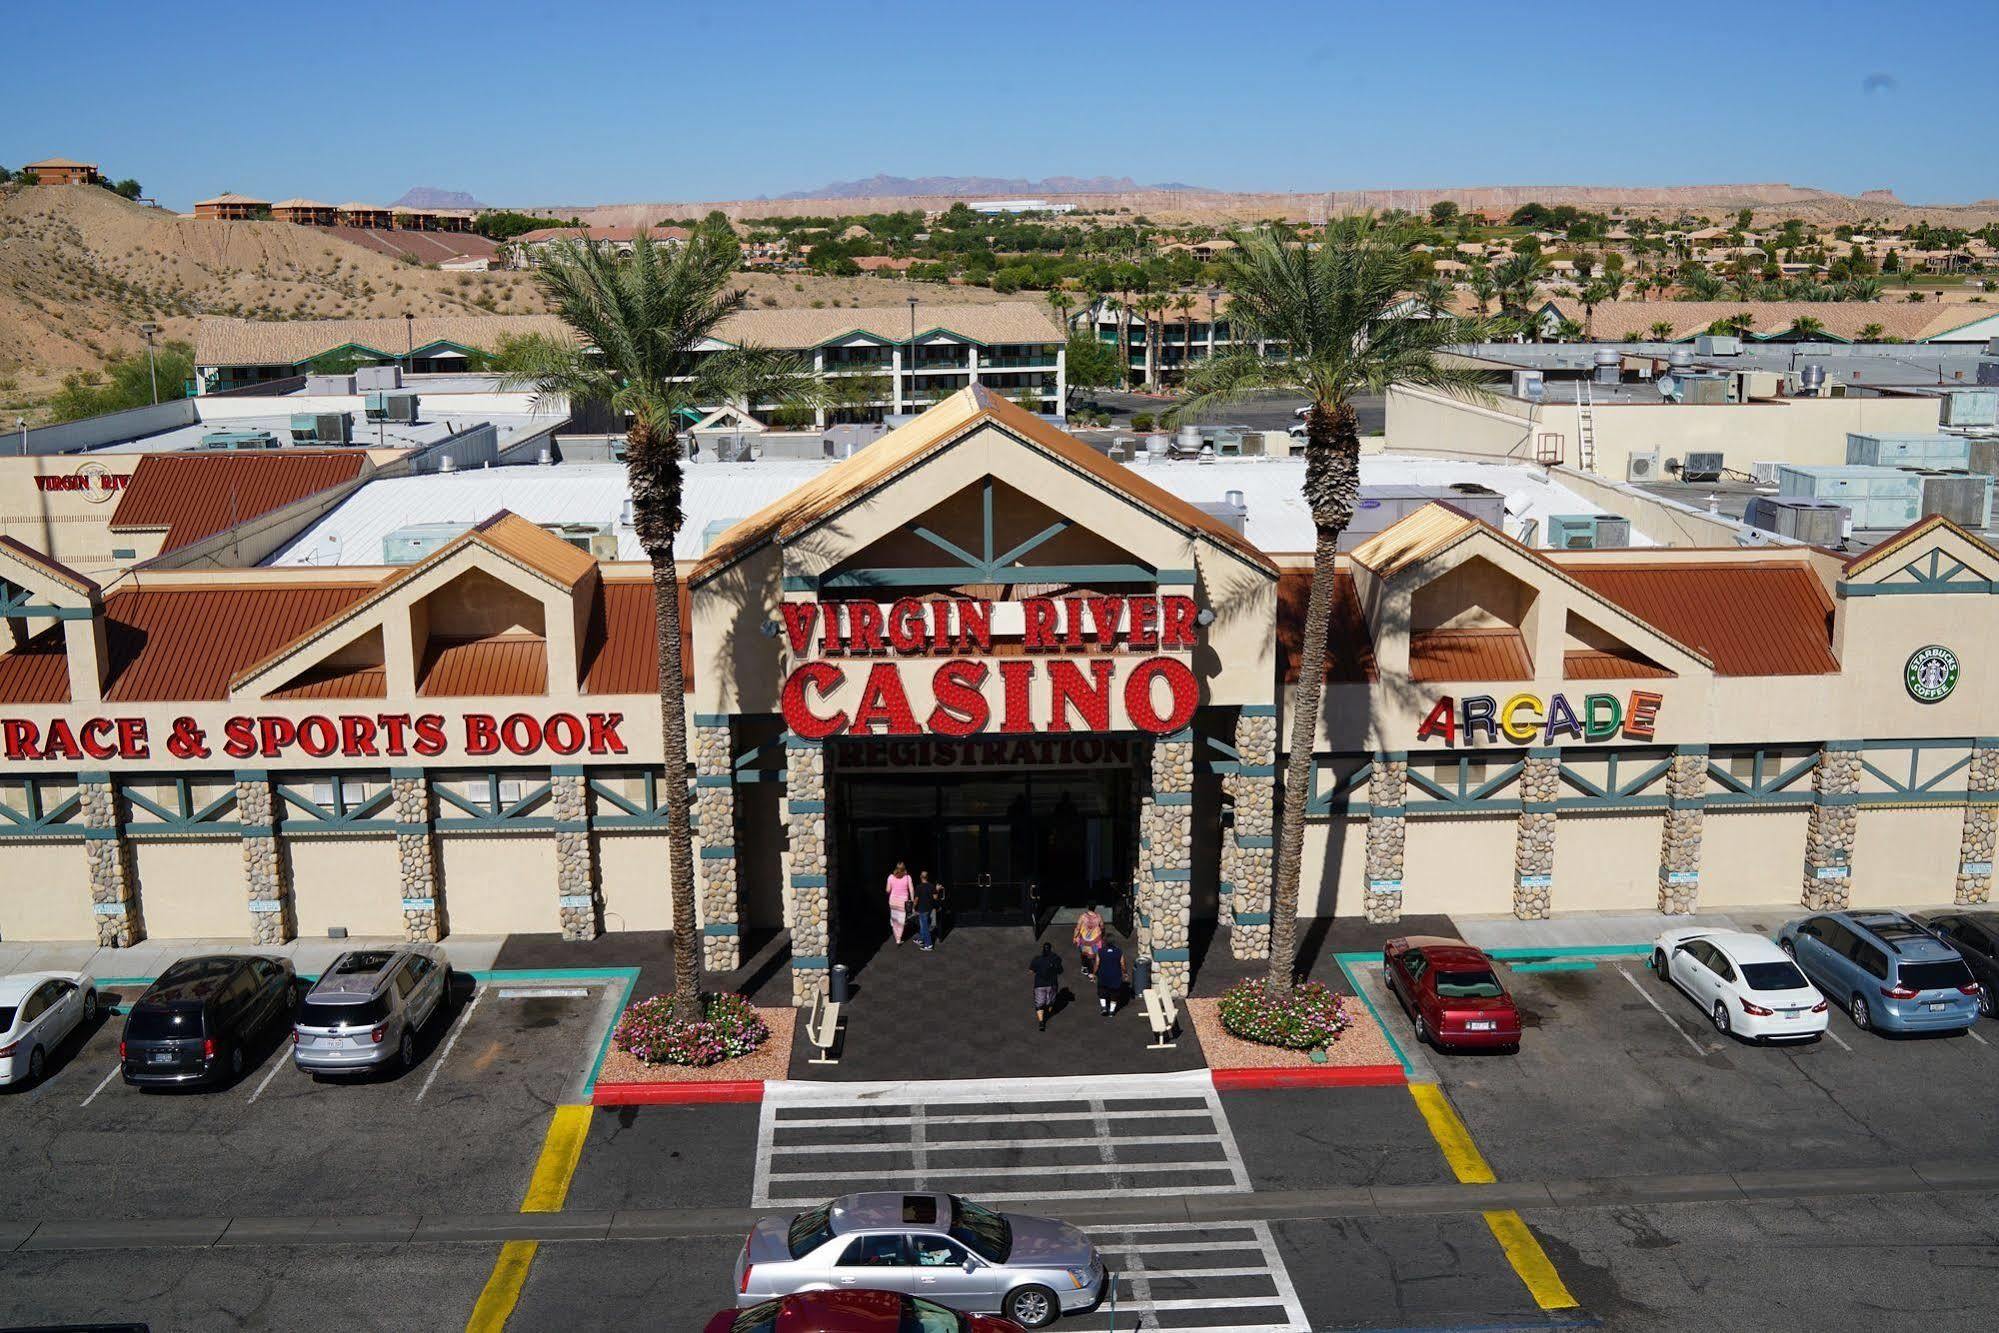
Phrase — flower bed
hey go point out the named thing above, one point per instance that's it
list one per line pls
(731, 1029)
(1361, 1043)
(1309, 1018)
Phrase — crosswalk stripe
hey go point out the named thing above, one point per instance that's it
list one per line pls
(898, 1173)
(929, 1145)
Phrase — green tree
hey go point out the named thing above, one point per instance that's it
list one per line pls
(1484, 285)
(1328, 311)
(1518, 275)
(1871, 333)
(1592, 295)
(127, 189)
(1806, 326)
(1661, 329)
(1443, 213)
(637, 323)
(124, 383)
(1092, 363)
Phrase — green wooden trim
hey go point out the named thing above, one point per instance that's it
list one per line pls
(1171, 874)
(809, 963)
(800, 583)
(1178, 577)
(1255, 840)
(715, 779)
(808, 881)
(409, 773)
(1173, 798)
(794, 741)
(723, 853)
(567, 770)
(1170, 955)
(711, 719)
(806, 807)
(1259, 710)
(1252, 918)
(719, 928)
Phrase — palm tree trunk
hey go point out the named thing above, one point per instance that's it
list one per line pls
(1332, 486)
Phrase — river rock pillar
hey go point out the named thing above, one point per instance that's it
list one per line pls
(423, 897)
(1166, 863)
(1981, 819)
(811, 900)
(578, 906)
(1680, 841)
(114, 895)
(715, 844)
(273, 918)
(1249, 852)
(1534, 839)
(1828, 878)
(1387, 837)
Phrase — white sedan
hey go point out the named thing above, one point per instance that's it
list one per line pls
(1748, 986)
(38, 1011)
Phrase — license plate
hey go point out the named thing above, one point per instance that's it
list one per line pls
(1481, 1025)
(161, 1057)
(1936, 1008)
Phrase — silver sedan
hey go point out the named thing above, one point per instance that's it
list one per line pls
(950, 1250)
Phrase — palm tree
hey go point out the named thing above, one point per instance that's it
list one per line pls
(1484, 286)
(1185, 303)
(1061, 303)
(1518, 276)
(1807, 326)
(1592, 295)
(1661, 329)
(1871, 333)
(638, 322)
(1150, 305)
(1326, 312)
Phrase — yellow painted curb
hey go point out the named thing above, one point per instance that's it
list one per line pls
(561, 1149)
(503, 1288)
(1467, 1162)
(1530, 1261)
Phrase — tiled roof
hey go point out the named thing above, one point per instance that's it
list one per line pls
(913, 442)
(60, 162)
(182, 643)
(536, 547)
(228, 197)
(1624, 321)
(1469, 654)
(195, 496)
(299, 203)
(50, 566)
(1349, 646)
(1751, 619)
(1413, 539)
(503, 664)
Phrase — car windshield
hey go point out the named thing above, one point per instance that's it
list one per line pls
(809, 1230)
(1948, 974)
(921, 1316)
(155, 1022)
(362, 962)
(759, 1318)
(981, 1230)
(1477, 984)
(1773, 976)
(348, 1014)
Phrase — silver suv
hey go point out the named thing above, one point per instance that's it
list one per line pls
(366, 1009)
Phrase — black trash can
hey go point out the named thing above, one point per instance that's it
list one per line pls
(1141, 975)
(836, 990)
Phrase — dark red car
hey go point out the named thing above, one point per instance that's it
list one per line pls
(851, 1311)
(1451, 992)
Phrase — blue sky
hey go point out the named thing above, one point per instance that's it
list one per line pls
(602, 102)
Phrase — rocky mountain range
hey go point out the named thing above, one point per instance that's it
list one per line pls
(429, 196)
(880, 186)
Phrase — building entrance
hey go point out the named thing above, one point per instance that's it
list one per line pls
(1008, 843)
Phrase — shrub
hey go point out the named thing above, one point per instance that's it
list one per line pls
(1141, 421)
(1309, 1017)
(731, 1029)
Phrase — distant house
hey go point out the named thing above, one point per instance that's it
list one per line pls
(62, 171)
(228, 207)
(305, 213)
(882, 264)
(366, 215)
(531, 245)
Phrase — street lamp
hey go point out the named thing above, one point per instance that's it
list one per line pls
(152, 371)
(1214, 295)
(909, 371)
(409, 343)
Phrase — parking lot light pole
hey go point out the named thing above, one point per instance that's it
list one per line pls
(152, 370)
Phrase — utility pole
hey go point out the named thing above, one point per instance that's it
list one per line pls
(152, 370)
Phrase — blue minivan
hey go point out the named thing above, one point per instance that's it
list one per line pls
(1887, 971)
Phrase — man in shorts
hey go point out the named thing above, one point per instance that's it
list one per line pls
(1047, 969)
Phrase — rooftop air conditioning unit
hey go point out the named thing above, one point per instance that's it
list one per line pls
(1701, 465)
(597, 539)
(378, 377)
(239, 439)
(1587, 532)
(334, 385)
(1527, 384)
(1718, 344)
(1643, 467)
(399, 407)
(1814, 522)
(321, 428)
(1764, 473)
(406, 546)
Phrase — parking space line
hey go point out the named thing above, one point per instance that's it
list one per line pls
(1838, 1040)
(1972, 1033)
(437, 1061)
(1652, 1000)
(547, 1189)
(1453, 1139)
(102, 1086)
(265, 1082)
(1530, 1261)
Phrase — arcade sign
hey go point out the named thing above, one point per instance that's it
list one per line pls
(1525, 719)
(1078, 656)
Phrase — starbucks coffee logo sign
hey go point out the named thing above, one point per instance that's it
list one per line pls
(1931, 674)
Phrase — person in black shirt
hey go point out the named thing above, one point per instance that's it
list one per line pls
(927, 895)
(1046, 968)
(1110, 977)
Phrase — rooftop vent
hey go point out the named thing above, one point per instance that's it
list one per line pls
(322, 428)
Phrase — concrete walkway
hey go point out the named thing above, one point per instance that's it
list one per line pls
(148, 958)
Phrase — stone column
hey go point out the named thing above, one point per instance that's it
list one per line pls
(1534, 842)
(1680, 842)
(1166, 863)
(811, 902)
(273, 918)
(715, 843)
(577, 904)
(1829, 842)
(1981, 814)
(114, 896)
(423, 899)
(1387, 835)
(1249, 853)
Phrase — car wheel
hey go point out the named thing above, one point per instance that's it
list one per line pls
(1721, 1018)
(1424, 1037)
(89, 1007)
(235, 1062)
(1659, 961)
(1985, 1003)
(1790, 949)
(1032, 1306)
(406, 1050)
(1862, 1017)
(37, 1064)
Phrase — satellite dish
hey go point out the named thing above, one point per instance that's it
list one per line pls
(1668, 387)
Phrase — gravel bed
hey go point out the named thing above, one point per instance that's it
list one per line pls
(1362, 1042)
(767, 1061)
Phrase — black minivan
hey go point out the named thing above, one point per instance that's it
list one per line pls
(193, 1024)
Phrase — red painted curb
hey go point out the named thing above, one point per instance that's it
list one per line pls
(1313, 1076)
(677, 1094)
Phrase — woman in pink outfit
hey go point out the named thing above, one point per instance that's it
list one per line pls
(899, 892)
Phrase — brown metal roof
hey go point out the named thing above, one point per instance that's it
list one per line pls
(536, 547)
(50, 566)
(183, 643)
(1349, 646)
(502, 664)
(622, 654)
(1469, 654)
(1761, 619)
(37, 672)
(1603, 664)
(195, 496)
(337, 682)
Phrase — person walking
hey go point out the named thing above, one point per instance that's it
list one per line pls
(926, 896)
(1047, 969)
(899, 892)
(1089, 939)
(1110, 978)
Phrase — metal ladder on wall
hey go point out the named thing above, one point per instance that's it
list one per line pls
(1585, 427)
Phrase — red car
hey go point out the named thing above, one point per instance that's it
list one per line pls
(1451, 992)
(851, 1311)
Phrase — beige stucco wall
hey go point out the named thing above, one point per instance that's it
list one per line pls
(1334, 868)
(633, 870)
(1460, 865)
(1905, 857)
(495, 883)
(1606, 863)
(72, 526)
(47, 894)
(1752, 858)
(353, 882)
(192, 888)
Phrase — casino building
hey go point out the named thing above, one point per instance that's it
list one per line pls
(981, 647)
